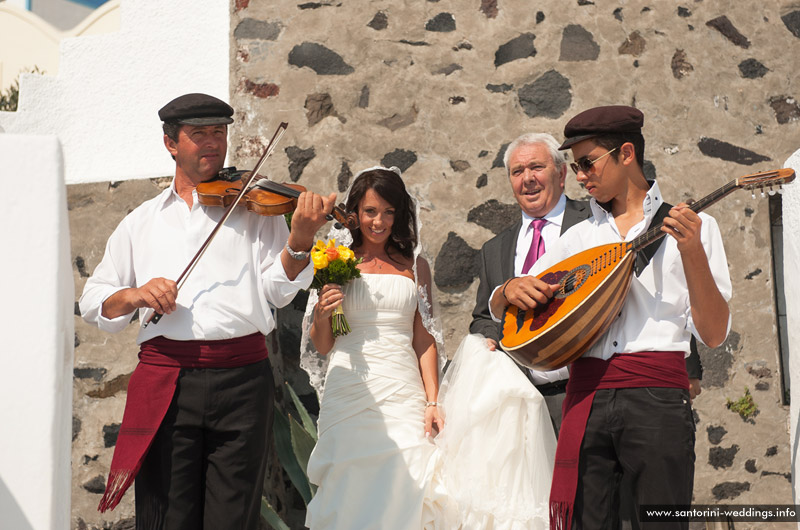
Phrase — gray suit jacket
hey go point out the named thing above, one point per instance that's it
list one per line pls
(496, 265)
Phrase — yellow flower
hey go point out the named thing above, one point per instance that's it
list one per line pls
(320, 260)
(345, 253)
(320, 245)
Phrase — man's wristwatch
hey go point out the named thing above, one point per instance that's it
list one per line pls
(299, 256)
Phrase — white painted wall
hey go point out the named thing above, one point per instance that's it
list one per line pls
(791, 278)
(36, 323)
(27, 41)
(103, 103)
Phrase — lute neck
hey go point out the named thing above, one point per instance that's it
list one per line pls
(655, 233)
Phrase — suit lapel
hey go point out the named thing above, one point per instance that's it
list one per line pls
(574, 213)
(508, 249)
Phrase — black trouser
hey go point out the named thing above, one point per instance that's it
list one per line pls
(205, 468)
(646, 434)
(554, 394)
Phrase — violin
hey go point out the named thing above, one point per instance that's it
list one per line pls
(263, 197)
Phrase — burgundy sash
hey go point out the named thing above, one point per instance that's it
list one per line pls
(587, 375)
(150, 392)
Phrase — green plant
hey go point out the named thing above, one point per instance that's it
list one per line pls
(744, 406)
(294, 442)
(10, 98)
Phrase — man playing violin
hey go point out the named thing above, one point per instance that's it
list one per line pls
(627, 411)
(199, 407)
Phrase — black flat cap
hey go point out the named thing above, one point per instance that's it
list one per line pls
(602, 120)
(197, 109)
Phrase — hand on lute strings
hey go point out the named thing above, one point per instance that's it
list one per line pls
(525, 292)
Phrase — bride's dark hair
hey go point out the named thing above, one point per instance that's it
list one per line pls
(391, 188)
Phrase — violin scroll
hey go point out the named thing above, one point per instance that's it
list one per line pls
(343, 217)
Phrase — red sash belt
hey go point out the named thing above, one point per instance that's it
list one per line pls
(150, 392)
(587, 375)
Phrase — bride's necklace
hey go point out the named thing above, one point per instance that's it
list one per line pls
(372, 261)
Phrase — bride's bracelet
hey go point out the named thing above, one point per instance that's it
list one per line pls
(431, 404)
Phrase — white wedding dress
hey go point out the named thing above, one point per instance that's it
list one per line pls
(491, 466)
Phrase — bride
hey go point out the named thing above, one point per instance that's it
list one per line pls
(384, 458)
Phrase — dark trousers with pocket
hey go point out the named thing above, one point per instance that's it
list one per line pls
(205, 468)
(646, 435)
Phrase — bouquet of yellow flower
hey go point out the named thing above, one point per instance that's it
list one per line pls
(334, 264)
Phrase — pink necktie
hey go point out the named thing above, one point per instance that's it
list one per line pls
(537, 245)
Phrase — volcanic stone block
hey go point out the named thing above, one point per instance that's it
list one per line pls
(251, 28)
(548, 97)
(442, 23)
(260, 90)
(363, 98)
(786, 108)
(725, 151)
(718, 361)
(456, 266)
(459, 165)
(76, 427)
(680, 66)
(298, 160)
(494, 215)
(721, 457)
(379, 22)
(518, 48)
(110, 434)
(343, 178)
(401, 158)
(577, 44)
(505, 87)
(752, 69)
(633, 45)
(792, 22)
(449, 69)
(729, 490)
(322, 60)
(80, 264)
(318, 107)
(489, 8)
(729, 31)
(498, 160)
(715, 433)
(90, 373)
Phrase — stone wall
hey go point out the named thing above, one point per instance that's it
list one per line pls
(439, 88)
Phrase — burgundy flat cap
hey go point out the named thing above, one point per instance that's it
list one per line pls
(602, 120)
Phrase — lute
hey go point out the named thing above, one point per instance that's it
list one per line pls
(593, 285)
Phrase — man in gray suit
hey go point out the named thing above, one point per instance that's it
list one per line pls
(536, 170)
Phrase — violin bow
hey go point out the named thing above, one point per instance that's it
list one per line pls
(155, 317)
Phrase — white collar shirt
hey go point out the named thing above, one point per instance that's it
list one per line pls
(229, 292)
(656, 315)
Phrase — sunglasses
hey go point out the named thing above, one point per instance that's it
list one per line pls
(584, 164)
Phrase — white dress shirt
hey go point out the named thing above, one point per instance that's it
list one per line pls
(228, 293)
(656, 315)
